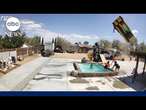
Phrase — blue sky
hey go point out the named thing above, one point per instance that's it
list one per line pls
(79, 27)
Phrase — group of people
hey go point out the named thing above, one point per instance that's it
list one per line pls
(115, 67)
(95, 57)
(107, 65)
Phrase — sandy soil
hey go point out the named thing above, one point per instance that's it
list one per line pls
(81, 55)
(28, 59)
(1, 74)
(70, 55)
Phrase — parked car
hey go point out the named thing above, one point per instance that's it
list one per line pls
(70, 51)
(47, 53)
(58, 49)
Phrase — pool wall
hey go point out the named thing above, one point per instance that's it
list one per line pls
(85, 74)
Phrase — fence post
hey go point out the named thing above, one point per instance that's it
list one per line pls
(27, 51)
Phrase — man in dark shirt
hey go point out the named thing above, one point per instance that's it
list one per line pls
(117, 66)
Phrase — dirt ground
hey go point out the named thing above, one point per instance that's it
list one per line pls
(81, 55)
(70, 55)
(27, 59)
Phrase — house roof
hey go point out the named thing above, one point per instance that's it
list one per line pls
(25, 46)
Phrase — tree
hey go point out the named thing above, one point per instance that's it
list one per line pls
(86, 42)
(80, 43)
(1, 41)
(6, 42)
(133, 41)
(63, 43)
(116, 44)
(134, 44)
(16, 40)
(42, 41)
(53, 41)
(76, 43)
(33, 41)
(104, 44)
(142, 47)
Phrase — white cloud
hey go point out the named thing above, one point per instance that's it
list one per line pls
(81, 38)
(25, 21)
(134, 31)
(30, 26)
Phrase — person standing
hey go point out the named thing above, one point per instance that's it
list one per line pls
(116, 65)
(107, 65)
(113, 59)
(130, 58)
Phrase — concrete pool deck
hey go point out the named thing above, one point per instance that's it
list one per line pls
(18, 78)
(51, 74)
(68, 83)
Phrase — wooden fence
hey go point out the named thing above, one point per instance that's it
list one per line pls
(23, 51)
(6, 50)
(27, 51)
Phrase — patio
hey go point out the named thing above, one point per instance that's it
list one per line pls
(66, 82)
